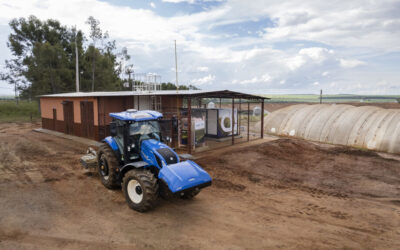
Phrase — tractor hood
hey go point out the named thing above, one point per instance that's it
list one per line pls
(153, 150)
(178, 176)
(184, 175)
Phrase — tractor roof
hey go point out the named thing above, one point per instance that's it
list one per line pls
(133, 115)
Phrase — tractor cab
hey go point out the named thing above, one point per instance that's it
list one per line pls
(130, 128)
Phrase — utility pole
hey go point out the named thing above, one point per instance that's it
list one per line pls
(178, 111)
(15, 90)
(320, 97)
(76, 63)
(176, 70)
(129, 79)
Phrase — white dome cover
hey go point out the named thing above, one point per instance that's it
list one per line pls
(364, 127)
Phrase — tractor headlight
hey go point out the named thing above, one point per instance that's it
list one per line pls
(133, 145)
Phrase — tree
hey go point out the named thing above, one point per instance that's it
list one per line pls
(171, 86)
(95, 34)
(43, 59)
(41, 56)
(125, 67)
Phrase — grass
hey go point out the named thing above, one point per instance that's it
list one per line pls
(23, 112)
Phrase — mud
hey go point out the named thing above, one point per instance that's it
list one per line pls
(278, 194)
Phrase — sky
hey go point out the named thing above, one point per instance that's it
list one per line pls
(258, 46)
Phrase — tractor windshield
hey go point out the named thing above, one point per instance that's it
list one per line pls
(144, 128)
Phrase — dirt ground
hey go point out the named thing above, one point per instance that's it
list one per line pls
(267, 194)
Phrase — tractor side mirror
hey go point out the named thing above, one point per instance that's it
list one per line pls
(166, 139)
(113, 129)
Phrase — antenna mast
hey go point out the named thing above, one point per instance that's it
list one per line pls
(176, 70)
(76, 64)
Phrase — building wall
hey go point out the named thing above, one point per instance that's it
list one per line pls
(170, 105)
(144, 103)
(47, 104)
(102, 106)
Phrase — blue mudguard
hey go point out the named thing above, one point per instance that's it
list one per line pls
(184, 175)
(111, 142)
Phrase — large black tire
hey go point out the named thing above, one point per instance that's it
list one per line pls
(190, 195)
(140, 188)
(107, 167)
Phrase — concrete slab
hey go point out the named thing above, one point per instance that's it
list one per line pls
(222, 139)
(82, 140)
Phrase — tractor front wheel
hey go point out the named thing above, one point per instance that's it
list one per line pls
(140, 189)
(107, 167)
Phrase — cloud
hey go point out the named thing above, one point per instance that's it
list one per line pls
(209, 79)
(316, 54)
(298, 41)
(179, 1)
(295, 62)
(190, 1)
(313, 55)
(153, 5)
(263, 79)
(352, 24)
(202, 69)
(350, 63)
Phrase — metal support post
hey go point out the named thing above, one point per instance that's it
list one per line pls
(239, 117)
(262, 119)
(233, 121)
(248, 120)
(189, 122)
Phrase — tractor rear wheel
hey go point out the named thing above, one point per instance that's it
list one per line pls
(107, 167)
(140, 188)
(191, 194)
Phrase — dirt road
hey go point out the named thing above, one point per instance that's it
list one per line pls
(279, 194)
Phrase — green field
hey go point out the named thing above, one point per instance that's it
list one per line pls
(334, 98)
(11, 112)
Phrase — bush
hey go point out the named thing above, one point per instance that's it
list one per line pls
(10, 111)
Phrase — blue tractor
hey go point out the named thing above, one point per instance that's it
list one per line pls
(135, 158)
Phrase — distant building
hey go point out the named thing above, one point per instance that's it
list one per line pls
(85, 114)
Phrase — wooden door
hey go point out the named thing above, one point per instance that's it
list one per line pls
(102, 118)
(87, 119)
(54, 126)
(68, 108)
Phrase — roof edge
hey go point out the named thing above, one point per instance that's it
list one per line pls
(195, 93)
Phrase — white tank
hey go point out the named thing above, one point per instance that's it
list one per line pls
(211, 105)
(256, 111)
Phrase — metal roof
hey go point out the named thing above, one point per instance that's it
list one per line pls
(192, 93)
